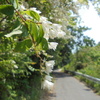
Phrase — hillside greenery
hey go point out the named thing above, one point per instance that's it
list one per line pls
(87, 61)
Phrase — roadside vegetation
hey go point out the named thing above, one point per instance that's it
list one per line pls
(37, 35)
(87, 61)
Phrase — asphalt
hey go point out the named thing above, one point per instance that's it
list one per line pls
(69, 88)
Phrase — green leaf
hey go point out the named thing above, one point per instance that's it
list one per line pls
(31, 68)
(33, 30)
(16, 23)
(36, 31)
(23, 45)
(44, 44)
(41, 34)
(32, 14)
(15, 3)
(15, 31)
(25, 31)
(7, 9)
(43, 1)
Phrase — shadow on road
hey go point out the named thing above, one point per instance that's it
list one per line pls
(52, 94)
(87, 89)
(60, 74)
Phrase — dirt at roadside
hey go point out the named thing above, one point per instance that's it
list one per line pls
(48, 95)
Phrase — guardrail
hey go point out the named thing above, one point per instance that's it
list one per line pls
(84, 75)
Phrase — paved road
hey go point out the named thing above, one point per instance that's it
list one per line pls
(69, 88)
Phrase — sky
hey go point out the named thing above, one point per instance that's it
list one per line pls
(91, 19)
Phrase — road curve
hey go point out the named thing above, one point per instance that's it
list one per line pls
(68, 88)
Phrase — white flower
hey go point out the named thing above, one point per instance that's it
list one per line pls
(15, 40)
(50, 63)
(46, 28)
(53, 45)
(48, 69)
(27, 17)
(49, 66)
(34, 9)
(43, 19)
(47, 85)
(53, 33)
(51, 30)
(13, 61)
(15, 66)
(57, 26)
(22, 7)
(47, 77)
(61, 34)
(46, 36)
(47, 25)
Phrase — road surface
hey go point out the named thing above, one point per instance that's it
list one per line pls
(68, 88)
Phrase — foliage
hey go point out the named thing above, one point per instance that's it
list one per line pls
(24, 39)
(75, 42)
(87, 62)
(86, 3)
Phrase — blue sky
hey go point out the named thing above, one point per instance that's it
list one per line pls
(91, 19)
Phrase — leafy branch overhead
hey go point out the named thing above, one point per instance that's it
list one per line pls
(25, 42)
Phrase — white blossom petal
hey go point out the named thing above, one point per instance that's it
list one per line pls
(49, 66)
(48, 70)
(47, 85)
(50, 63)
(61, 34)
(22, 7)
(13, 61)
(51, 30)
(49, 78)
(53, 45)
(43, 19)
(34, 9)
(57, 26)
(52, 34)
(15, 66)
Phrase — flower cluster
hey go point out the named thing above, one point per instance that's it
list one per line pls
(53, 45)
(51, 31)
(47, 83)
(49, 66)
